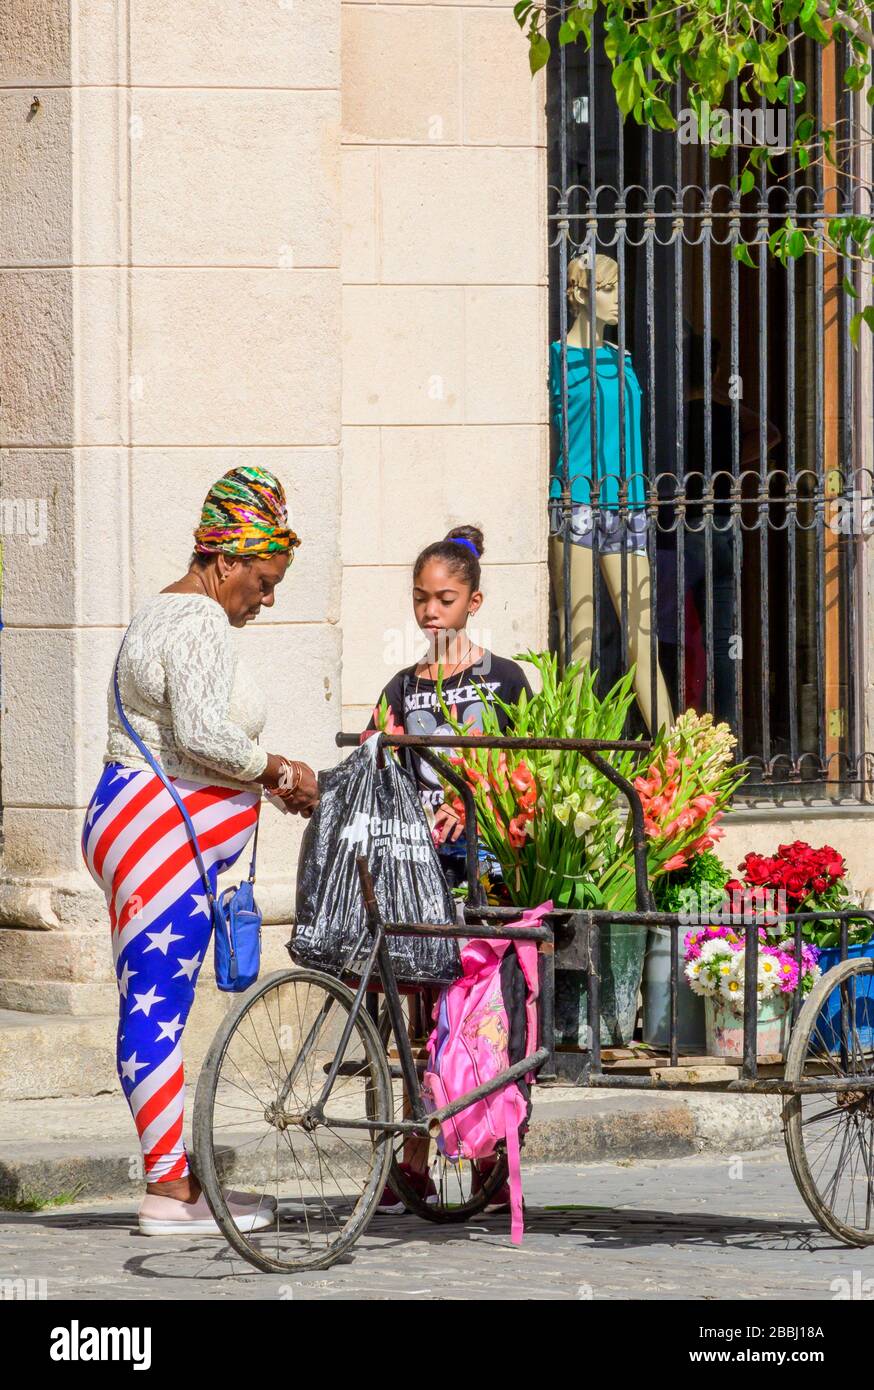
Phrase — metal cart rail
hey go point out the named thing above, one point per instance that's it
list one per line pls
(311, 1088)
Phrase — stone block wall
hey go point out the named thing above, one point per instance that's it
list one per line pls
(444, 323)
(170, 305)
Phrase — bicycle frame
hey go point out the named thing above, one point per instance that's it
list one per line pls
(587, 924)
(424, 1122)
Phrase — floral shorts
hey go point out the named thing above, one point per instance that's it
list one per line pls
(614, 535)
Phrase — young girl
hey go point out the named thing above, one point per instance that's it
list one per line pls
(446, 592)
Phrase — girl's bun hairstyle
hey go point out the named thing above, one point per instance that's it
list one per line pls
(460, 550)
(472, 534)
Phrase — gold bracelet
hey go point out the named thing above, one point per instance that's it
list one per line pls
(286, 790)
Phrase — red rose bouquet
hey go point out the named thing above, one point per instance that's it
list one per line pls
(802, 879)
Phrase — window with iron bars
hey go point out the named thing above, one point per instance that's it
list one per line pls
(741, 406)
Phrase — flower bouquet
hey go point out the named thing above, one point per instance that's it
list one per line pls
(800, 878)
(550, 818)
(561, 830)
(716, 968)
(558, 826)
(684, 792)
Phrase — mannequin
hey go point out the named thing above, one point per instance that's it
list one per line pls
(605, 487)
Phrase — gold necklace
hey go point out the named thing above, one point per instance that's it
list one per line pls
(456, 668)
(454, 672)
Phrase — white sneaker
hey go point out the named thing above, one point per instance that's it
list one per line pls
(250, 1199)
(170, 1216)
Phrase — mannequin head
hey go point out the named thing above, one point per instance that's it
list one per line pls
(606, 291)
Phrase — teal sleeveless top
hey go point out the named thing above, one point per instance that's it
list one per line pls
(579, 430)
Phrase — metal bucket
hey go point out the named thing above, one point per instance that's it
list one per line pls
(623, 947)
(725, 1027)
(691, 1034)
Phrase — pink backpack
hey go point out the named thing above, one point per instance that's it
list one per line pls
(487, 1021)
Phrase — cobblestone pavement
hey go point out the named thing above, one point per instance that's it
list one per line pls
(689, 1228)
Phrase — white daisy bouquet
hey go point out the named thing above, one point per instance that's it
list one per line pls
(716, 965)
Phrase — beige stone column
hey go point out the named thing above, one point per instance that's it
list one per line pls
(444, 310)
(169, 306)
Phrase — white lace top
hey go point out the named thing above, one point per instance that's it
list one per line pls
(197, 710)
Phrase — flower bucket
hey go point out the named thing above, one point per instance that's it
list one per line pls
(725, 1027)
(623, 947)
(829, 1021)
(657, 998)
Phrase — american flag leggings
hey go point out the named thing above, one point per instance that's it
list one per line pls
(137, 848)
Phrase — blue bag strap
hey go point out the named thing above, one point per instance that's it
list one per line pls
(159, 772)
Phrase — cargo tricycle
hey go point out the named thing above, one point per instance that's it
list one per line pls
(311, 1089)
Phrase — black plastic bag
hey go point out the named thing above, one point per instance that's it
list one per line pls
(375, 811)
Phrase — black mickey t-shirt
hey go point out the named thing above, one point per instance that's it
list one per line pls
(413, 701)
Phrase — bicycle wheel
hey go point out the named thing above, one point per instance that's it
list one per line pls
(435, 1187)
(264, 1072)
(830, 1135)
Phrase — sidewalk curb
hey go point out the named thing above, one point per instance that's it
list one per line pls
(585, 1128)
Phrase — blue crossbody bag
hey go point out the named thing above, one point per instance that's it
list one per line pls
(235, 915)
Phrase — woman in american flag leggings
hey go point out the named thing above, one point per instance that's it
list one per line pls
(137, 848)
(193, 706)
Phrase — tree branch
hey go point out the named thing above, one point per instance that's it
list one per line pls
(855, 28)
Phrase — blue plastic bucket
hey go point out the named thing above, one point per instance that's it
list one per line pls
(829, 1021)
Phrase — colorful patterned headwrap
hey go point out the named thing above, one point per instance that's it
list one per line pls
(245, 513)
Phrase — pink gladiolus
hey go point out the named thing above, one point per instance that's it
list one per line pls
(473, 774)
(517, 832)
(703, 842)
(522, 780)
(676, 861)
(499, 775)
(528, 800)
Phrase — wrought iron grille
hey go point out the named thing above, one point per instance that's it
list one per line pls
(754, 430)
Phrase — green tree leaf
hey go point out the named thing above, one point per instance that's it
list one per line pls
(538, 53)
(627, 85)
(796, 244)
